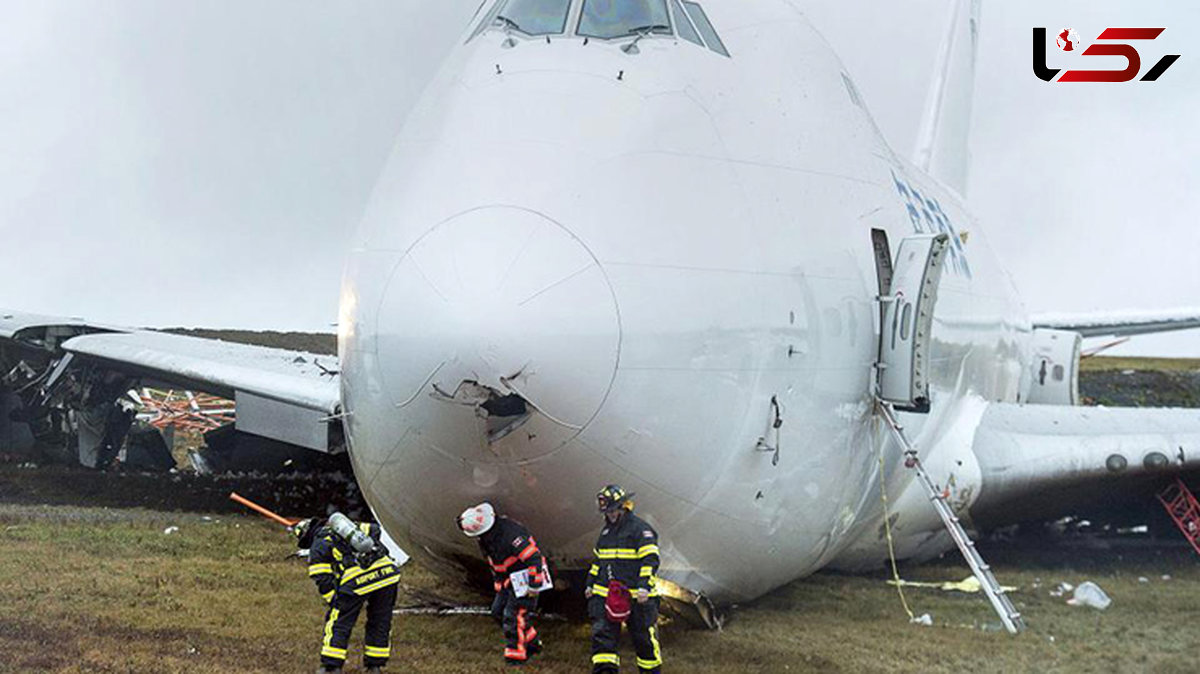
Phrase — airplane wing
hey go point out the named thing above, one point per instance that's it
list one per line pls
(67, 363)
(1035, 459)
(1121, 323)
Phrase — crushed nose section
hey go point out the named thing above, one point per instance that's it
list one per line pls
(504, 413)
(503, 311)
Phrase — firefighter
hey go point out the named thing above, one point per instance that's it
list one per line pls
(622, 585)
(351, 568)
(519, 573)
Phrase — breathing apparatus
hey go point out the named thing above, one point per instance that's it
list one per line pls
(365, 549)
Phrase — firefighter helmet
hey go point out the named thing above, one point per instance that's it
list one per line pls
(613, 497)
(305, 530)
(477, 520)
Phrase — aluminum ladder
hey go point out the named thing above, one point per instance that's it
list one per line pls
(1004, 608)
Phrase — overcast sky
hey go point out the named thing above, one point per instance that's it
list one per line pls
(203, 163)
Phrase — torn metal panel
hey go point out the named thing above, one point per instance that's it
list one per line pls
(15, 435)
(282, 421)
(45, 331)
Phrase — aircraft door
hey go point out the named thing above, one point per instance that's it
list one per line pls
(907, 319)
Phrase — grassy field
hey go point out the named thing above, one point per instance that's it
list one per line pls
(1100, 363)
(101, 590)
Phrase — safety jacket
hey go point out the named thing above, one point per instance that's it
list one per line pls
(627, 552)
(333, 565)
(509, 548)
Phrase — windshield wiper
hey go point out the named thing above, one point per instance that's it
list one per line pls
(641, 32)
(508, 23)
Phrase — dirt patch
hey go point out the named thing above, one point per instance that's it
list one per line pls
(1140, 388)
(295, 495)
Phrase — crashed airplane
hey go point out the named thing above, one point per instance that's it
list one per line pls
(661, 243)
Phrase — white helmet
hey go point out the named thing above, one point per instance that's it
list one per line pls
(478, 520)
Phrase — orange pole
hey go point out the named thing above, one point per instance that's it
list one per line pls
(261, 510)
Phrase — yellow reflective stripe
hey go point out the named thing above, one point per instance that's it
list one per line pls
(317, 569)
(337, 554)
(595, 570)
(380, 563)
(647, 571)
(390, 580)
(647, 550)
(648, 664)
(328, 596)
(600, 590)
(377, 652)
(657, 650)
(355, 571)
(617, 553)
(337, 653)
(326, 645)
(365, 528)
(606, 659)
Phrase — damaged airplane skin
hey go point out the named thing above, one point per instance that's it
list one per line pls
(651, 249)
(67, 399)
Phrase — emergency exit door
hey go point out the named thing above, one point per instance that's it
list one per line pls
(907, 301)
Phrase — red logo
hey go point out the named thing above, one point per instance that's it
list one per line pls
(1106, 45)
(1068, 39)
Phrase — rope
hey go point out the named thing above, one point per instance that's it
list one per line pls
(887, 527)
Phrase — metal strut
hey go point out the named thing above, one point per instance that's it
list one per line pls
(1004, 608)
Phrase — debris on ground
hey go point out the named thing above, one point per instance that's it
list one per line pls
(924, 619)
(170, 530)
(1061, 589)
(1090, 594)
(970, 585)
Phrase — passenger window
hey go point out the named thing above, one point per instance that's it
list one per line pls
(906, 321)
(683, 25)
(608, 19)
(535, 17)
(705, 27)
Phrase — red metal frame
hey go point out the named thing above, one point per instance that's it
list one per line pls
(1182, 506)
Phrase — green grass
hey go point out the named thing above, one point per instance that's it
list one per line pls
(96, 590)
(1100, 363)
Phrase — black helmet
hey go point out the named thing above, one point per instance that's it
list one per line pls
(613, 497)
(306, 530)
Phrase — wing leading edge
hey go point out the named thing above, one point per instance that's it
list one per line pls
(1121, 323)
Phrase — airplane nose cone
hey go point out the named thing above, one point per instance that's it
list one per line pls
(498, 301)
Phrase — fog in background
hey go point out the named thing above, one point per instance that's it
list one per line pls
(203, 164)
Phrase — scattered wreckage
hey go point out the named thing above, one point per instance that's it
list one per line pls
(77, 392)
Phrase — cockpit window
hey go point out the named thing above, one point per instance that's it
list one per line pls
(608, 19)
(705, 27)
(535, 17)
(684, 25)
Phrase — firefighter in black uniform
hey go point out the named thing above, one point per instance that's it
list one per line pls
(351, 568)
(517, 568)
(623, 578)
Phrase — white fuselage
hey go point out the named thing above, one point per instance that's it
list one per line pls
(649, 248)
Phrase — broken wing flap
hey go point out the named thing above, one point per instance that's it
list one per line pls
(281, 395)
(1035, 458)
(288, 396)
